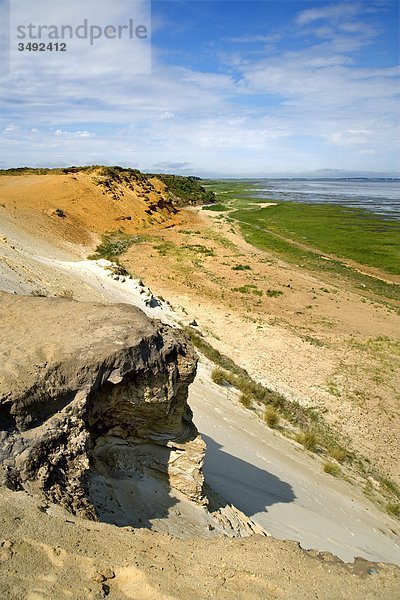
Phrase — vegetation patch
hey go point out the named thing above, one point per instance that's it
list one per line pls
(308, 439)
(393, 508)
(274, 293)
(113, 244)
(199, 249)
(348, 233)
(186, 190)
(241, 268)
(248, 289)
(216, 207)
(332, 469)
(271, 417)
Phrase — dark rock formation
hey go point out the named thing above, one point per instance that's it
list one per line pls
(87, 389)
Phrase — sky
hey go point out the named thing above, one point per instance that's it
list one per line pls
(235, 88)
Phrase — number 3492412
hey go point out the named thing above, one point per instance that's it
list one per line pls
(42, 47)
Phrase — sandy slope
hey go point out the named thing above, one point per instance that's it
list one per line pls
(280, 487)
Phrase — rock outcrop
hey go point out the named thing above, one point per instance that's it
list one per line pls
(90, 392)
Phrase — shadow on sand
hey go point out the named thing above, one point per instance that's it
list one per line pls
(242, 484)
(138, 497)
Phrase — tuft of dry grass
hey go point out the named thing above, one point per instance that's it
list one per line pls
(271, 417)
(218, 376)
(332, 469)
(245, 400)
(338, 453)
(308, 439)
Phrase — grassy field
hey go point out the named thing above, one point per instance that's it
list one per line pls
(344, 232)
(302, 233)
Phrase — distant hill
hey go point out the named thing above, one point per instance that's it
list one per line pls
(181, 190)
(186, 190)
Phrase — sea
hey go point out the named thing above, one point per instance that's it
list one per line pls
(380, 196)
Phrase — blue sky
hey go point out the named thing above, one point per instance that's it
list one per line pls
(236, 88)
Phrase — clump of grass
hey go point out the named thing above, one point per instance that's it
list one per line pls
(218, 376)
(308, 439)
(393, 508)
(271, 417)
(245, 400)
(312, 340)
(332, 469)
(241, 268)
(113, 244)
(338, 453)
(390, 486)
(248, 289)
(274, 293)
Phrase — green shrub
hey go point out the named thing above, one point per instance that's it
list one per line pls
(241, 268)
(274, 293)
(216, 207)
(113, 244)
(248, 289)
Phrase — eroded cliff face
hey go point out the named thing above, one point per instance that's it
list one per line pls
(89, 393)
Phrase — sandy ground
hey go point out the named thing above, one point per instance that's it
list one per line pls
(47, 554)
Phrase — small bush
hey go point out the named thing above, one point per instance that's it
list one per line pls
(308, 439)
(218, 376)
(332, 469)
(241, 268)
(393, 508)
(271, 417)
(274, 293)
(245, 400)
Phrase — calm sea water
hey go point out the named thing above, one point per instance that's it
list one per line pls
(380, 196)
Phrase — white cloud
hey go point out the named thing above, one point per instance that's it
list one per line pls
(332, 12)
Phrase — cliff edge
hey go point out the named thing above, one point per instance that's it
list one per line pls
(91, 392)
